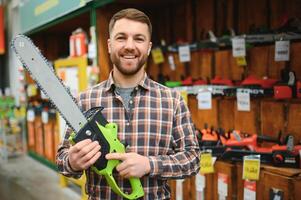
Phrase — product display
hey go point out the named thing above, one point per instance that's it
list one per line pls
(239, 72)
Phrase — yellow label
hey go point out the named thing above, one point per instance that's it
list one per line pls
(206, 163)
(45, 6)
(20, 113)
(157, 56)
(185, 96)
(251, 169)
(241, 61)
(32, 90)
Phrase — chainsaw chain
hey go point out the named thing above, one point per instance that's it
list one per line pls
(34, 78)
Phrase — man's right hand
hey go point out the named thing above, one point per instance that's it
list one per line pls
(83, 154)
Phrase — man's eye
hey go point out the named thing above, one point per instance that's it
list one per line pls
(140, 39)
(120, 38)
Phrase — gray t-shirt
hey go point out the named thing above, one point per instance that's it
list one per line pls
(125, 94)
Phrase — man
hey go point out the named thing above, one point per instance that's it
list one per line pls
(152, 120)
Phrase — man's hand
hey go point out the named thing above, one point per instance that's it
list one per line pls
(133, 164)
(83, 154)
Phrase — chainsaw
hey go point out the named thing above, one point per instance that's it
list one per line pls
(94, 127)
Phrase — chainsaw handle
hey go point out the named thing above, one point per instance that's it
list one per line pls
(116, 146)
(137, 189)
(98, 129)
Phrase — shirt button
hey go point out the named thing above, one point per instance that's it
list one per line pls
(131, 101)
(128, 123)
(136, 88)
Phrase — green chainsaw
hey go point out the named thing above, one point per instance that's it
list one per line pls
(95, 127)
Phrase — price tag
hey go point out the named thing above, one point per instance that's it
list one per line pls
(92, 50)
(32, 90)
(206, 163)
(251, 167)
(171, 62)
(249, 190)
(157, 55)
(282, 50)
(20, 113)
(184, 53)
(222, 186)
(238, 47)
(241, 61)
(45, 117)
(204, 100)
(184, 95)
(179, 189)
(243, 101)
(30, 115)
(199, 182)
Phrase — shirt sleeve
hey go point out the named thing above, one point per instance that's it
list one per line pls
(185, 161)
(62, 158)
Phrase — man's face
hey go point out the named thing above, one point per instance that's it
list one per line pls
(129, 45)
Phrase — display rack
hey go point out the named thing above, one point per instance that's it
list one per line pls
(12, 142)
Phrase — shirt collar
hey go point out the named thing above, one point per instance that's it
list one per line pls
(144, 83)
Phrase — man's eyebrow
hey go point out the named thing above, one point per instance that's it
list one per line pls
(120, 34)
(140, 35)
(124, 34)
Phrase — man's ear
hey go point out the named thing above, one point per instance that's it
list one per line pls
(149, 48)
(109, 45)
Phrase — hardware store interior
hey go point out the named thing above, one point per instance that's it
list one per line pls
(235, 63)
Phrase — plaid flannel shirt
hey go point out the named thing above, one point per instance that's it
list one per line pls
(157, 125)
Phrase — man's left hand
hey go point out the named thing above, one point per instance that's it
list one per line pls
(132, 165)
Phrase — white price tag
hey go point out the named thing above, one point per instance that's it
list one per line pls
(45, 117)
(199, 182)
(222, 186)
(171, 62)
(282, 50)
(249, 190)
(204, 100)
(243, 101)
(179, 189)
(238, 47)
(91, 51)
(184, 53)
(30, 115)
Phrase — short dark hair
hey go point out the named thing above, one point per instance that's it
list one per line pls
(131, 14)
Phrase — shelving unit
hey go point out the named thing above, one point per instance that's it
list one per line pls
(187, 23)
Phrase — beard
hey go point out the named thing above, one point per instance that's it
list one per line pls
(128, 70)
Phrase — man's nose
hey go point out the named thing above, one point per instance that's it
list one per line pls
(130, 43)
